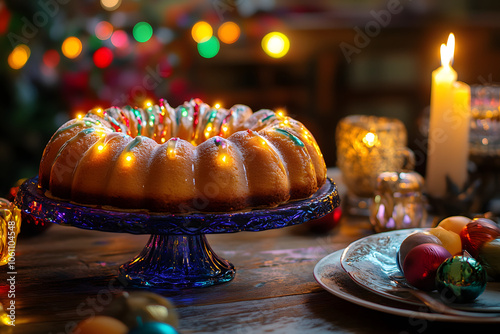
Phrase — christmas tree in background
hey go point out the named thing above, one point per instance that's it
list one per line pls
(61, 58)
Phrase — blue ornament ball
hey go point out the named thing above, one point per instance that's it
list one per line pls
(154, 328)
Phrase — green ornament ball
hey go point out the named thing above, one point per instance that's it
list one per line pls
(460, 279)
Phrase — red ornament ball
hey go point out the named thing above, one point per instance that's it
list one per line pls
(326, 223)
(421, 264)
(412, 241)
(478, 232)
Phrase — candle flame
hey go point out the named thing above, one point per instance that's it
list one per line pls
(448, 50)
(370, 139)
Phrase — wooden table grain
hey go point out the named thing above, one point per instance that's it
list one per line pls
(67, 274)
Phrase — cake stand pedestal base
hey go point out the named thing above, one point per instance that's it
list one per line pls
(177, 255)
(177, 262)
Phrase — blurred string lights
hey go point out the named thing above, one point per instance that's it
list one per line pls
(111, 5)
(274, 44)
(142, 32)
(19, 56)
(71, 47)
(75, 55)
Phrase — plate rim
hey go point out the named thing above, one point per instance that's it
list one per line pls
(383, 308)
(410, 300)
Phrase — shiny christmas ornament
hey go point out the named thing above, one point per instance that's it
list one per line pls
(414, 240)
(101, 325)
(460, 279)
(138, 307)
(450, 240)
(154, 328)
(31, 226)
(10, 224)
(326, 223)
(454, 223)
(421, 264)
(489, 257)
(478, 232)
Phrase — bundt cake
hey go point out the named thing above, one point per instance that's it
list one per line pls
(193, 158)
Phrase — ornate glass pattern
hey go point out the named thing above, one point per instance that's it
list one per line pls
(177, 254)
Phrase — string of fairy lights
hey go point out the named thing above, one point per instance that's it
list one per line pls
(275, 44)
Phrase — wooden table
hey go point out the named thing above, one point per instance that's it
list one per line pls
(67, 274)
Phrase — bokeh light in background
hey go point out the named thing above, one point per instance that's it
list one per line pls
(275, 44)
(142, 32)
(51, 58)
(111, 4)
(5, 16)
(103, 57)
(119, 39)
(229, 32)
(210, 48)
(19, 56)
(103, 30)
(202, 32)
(71, 47)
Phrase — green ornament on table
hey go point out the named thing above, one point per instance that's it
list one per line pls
(460, 279)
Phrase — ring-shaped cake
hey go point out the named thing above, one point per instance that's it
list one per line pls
(193, 158)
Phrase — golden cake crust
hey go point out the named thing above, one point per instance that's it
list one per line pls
(193, 158)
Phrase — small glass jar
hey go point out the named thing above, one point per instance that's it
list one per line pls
(10, 224)
(398, 202)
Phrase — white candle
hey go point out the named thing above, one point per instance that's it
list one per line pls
(448, 150)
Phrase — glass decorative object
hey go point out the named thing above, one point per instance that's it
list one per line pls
(366, 147)
(484, 136)
(177, 255)
(10, 225)
(398, 202)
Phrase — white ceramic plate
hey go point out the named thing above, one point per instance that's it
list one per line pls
(331, 276)
(371, 262)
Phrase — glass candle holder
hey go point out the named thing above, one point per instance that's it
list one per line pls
(484, 136)
(366, 147)
(10, 224)
(398, 202)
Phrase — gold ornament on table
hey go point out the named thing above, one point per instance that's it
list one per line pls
(10, 225)
(366, 147)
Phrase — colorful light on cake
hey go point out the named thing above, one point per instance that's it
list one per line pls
(71, 47)
(129, 157)
(172, 148)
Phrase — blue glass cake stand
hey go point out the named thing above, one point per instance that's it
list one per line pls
(177, 254)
